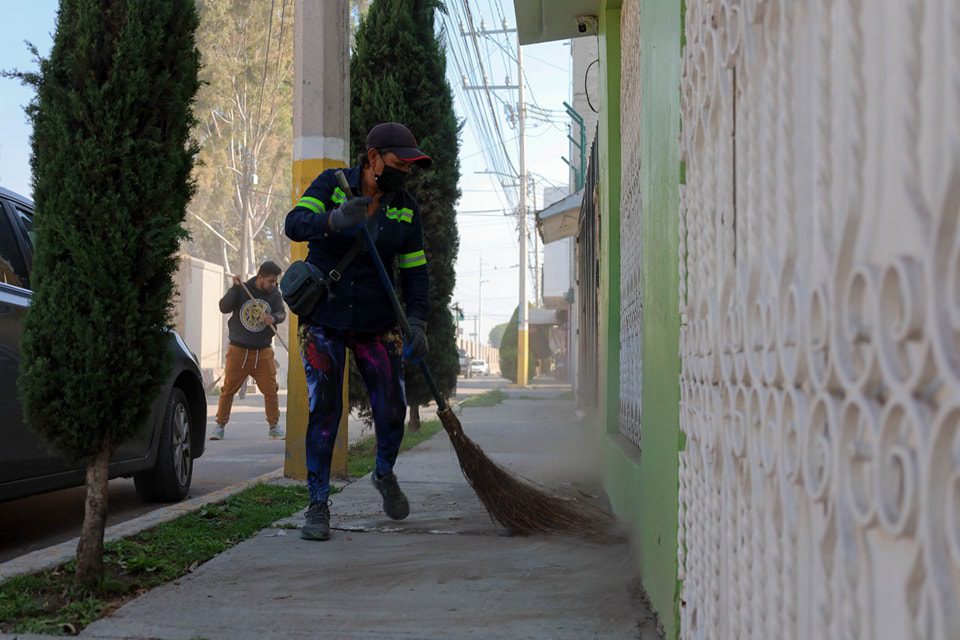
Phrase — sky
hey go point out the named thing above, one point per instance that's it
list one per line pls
(488, 238)
(488, 235)
(22, 21)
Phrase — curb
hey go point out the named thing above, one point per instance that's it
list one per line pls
(58, 554)
(65, 551)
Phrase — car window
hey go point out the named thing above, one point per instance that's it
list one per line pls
(13, 268)
(25, 219)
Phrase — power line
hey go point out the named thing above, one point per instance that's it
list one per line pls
(469, 61)
(481, 128)
(476, 47)
(549, 64)
(266, 56)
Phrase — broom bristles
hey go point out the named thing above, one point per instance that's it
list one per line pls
(517, 504)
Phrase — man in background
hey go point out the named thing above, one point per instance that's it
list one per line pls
(256, 308)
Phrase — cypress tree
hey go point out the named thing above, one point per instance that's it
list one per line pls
(538, 347)
(111, 160)
(495, 337)
(398, 74)
(508, 348)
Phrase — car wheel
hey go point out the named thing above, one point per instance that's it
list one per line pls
(169, 479)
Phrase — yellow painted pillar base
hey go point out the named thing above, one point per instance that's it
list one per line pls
(523, 351)
(295, 459)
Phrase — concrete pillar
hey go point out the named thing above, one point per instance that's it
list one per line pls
(321, 134)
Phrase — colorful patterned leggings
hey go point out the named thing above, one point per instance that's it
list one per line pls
(379, 359)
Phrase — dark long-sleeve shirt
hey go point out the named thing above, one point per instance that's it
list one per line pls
(358, 301)
(246, 327)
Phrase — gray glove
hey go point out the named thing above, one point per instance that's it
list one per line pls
(351, 213)
(415, 347)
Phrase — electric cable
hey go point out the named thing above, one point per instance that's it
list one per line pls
(586, 89)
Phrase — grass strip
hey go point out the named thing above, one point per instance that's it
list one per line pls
(362, 455)
(49, 601)
(489, 398)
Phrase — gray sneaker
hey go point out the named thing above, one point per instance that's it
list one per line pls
(276, 433)
(317, 525)
(395, 504)
(217, 433)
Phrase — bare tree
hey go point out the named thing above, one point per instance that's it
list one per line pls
(245, 114)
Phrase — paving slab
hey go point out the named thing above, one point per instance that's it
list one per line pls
(383, 585)
(445, 572)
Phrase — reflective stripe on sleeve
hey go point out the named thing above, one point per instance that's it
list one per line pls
(313, 204)
(410, 260)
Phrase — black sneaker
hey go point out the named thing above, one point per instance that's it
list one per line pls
(317, 526)
(395, 504)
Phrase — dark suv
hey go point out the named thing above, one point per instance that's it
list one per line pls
(159, 457)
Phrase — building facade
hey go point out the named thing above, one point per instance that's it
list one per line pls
(778, 309)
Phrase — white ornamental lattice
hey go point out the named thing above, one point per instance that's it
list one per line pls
(820, 388)
(631, 247)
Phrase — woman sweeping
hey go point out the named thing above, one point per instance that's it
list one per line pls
(356, 313)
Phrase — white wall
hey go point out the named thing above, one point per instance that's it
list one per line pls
(556, 270)
(556, 257)
(820, 388)
(198, 320)
(584, 51)
(491, 355)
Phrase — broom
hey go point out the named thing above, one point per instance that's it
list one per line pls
(517, 504)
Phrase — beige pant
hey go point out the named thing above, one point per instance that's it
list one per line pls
(259, 365)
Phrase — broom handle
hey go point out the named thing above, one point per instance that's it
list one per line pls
(392, 294)
(275, 332)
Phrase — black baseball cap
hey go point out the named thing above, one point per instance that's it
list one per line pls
(393, 136)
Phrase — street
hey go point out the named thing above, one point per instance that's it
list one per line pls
(40, 521)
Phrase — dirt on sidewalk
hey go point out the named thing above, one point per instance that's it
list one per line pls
(445, 572)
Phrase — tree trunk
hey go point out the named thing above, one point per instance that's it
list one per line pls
(90, 548)
(413, 425)
(251, 243)
(244, 247)
(226, 259)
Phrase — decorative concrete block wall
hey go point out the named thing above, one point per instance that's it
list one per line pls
(820, 297)
(631, 245)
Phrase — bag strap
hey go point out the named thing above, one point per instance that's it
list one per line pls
(337, 272)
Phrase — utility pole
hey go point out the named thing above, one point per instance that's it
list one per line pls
(479, 325)
(456, 318)
(523, 337)
(321, 131)
(537, 275)
(479, 322)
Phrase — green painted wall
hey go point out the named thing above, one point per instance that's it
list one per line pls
(660, 33)
(609, 187)
(643, 486)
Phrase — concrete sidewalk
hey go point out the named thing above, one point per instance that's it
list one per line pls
(444, 572)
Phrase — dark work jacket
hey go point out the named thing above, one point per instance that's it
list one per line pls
(247, 330)
(358, 301)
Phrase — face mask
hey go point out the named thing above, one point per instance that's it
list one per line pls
(391, 180)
